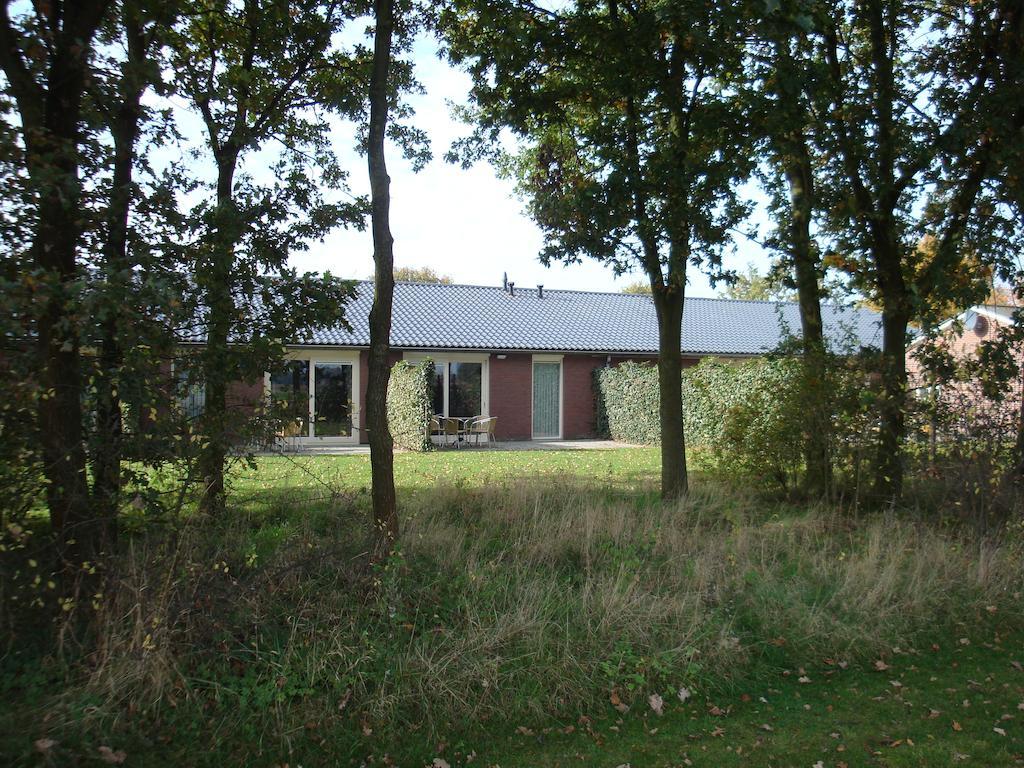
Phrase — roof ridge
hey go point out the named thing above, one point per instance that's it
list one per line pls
(548, 289)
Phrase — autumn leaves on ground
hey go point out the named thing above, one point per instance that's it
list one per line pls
(544, 609)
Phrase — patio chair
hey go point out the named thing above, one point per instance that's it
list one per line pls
(289, 435)
(484, 427)
(435, 428)
(453, 429)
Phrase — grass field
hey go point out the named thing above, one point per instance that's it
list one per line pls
(534, 596)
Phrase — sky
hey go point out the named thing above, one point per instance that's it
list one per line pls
(466, 224)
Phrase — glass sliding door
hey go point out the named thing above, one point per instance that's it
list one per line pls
(332, 400)
(547, 399)
(289, 392)
(465, 389)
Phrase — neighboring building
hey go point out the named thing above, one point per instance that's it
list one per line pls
(526, 356)
(964, 401)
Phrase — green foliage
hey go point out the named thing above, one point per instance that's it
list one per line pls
(749, 417)
(514, 600)
(751, 285)
(410, 404)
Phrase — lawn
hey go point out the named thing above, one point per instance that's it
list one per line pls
(949, 704)
(532, 593)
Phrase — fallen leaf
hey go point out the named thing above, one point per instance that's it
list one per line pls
(44, 745)
(766, 727)
(657, 704)
(618, 703)
(440, 762)
(804, 679)
(684, 694)
(1000, 731)
(881, 666)
(957, 726)
(109, 756)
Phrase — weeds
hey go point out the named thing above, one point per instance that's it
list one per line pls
(514, 603)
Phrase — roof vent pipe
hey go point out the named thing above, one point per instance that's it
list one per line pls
(511, 289)
(504, 281)
(540, 291)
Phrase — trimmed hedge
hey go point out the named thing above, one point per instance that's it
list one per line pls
(410, 404)
(746, 415)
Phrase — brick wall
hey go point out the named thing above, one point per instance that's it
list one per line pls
(511, 399)
(578, 398)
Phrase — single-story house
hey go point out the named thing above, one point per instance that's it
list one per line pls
(525, 356)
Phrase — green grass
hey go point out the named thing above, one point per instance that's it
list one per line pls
(316, 477)
(933, 706)
(529, 587)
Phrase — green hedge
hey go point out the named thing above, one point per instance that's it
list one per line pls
(745, 415)
(410, 404)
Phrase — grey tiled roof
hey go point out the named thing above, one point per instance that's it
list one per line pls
(435, 316)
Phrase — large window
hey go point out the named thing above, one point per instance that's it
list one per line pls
(460, 384)
(191, 392)
(465, 389)
(289, 389)
(317, 396)
(333, 400)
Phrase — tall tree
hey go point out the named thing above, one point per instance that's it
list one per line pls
(262, 71)
(633, 144)
(897, 172)
(382, 460)
(784, 81)
(45, 55)
(137, 29)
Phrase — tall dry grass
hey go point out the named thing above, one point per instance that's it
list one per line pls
(530, 600)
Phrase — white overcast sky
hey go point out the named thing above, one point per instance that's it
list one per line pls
(467, 224)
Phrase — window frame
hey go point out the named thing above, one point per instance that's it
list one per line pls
(444, 359)
(313, 355)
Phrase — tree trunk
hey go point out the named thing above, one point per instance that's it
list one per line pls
(1018, 449)
(796, 162)
(888, 486)
(50, 119)
(107, 455)
(216, 361)
(385, 515)
(668, 302)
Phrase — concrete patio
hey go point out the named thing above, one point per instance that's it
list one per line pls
(506, 445)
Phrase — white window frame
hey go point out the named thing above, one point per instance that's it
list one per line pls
(314, 356)
(561, 393)
(444, 359)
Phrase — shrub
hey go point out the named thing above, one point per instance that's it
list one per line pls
(748, 418)
(626, 398)
(514, 603)
(410, 404)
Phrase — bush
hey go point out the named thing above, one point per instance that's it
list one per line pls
(519, 602)
(749, 418)
(410, 404)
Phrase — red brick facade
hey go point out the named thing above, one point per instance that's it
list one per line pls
(510, 393)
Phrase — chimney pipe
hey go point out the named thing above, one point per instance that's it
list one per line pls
(540, 291)
(511, 289)
(504, 281)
